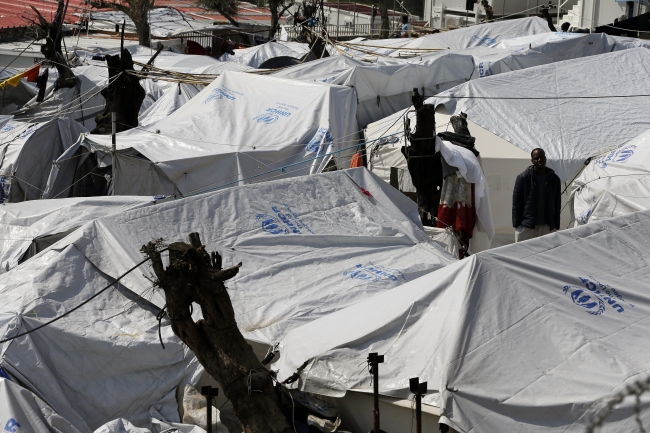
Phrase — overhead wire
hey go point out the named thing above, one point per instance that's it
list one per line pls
(49, 322)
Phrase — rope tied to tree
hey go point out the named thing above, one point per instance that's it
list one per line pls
(160, 316)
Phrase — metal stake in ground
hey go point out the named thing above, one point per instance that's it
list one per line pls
(374, 359)
(209, 393)
(418, 389)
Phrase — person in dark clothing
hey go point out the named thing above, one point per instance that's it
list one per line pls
(536, 200)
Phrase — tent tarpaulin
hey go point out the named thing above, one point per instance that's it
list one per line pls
(526, 337)
(481, 35)
(27, 150)
(552, 113)
(21, 411)
(357, 233)
(24, 223)
(240, 128)
(615, 183)
(102, 361)
(383, 89)
(255, 56)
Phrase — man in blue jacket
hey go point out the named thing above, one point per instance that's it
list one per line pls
(536, 200)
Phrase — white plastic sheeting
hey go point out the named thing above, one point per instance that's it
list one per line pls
(615, 183)
(357, 233)
(102, 361)
(570, 129)
(470, 169)
(383, 89)
(27, 150)
(482, 35)
(241, 128)
(23, 223)
(526, 337)
(255, 56)
(172, 98)
(82, 102)
(22, 411)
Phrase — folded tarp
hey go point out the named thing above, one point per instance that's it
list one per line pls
(102, 361)
(255, 56)
(387, 88)
(615, 183)
(576, 108)
(242, 128)
(37, 224)
(355, 232)
(27, 150)
(526, 337)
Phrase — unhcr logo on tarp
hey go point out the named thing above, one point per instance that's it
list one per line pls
(372, 272)
(321, 141)
(282, 222)
(595, 296)
(484, 40)
(617, 156)
(271, 115)
(221, 93)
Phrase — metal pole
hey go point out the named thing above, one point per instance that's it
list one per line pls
(374, 359)
(503, 10)
(114, 129)
(338, 17)
(418, 389)
(558, 13)
(354, 17)
(394, 15)
(209, 394)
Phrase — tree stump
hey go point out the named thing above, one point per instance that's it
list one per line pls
(193, 275)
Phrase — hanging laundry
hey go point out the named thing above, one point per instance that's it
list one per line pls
(356, 161)
(457, 209)
(31, 74)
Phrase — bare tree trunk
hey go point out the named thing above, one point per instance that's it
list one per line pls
(424, 164)
(51, 49)
(138, 11)
(275, 17)
(193, 275)
(385, 25)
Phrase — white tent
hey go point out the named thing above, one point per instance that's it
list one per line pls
(615, 183)
(32, 226)
(102, 361)
(27, 150)
(383, 89)
(576, 108)
(481, 35)
(23, 410)
(255, 56)
(81, 103)
(173, 97)
(241, 128)
(527, 337)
